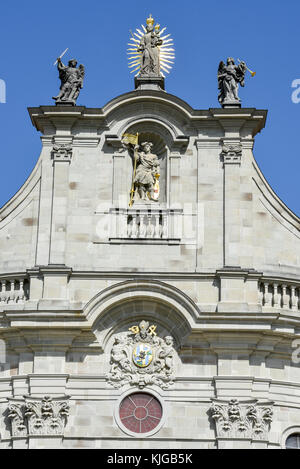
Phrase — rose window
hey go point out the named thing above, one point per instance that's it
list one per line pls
(140, 412)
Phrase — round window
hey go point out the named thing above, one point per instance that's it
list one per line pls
(140, 412)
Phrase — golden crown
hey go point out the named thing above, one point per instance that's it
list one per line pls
(150, 20)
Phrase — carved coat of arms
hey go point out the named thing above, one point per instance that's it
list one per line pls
(140, 357)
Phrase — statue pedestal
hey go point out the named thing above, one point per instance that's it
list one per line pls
(65, 103)
(231, 104)
(146, 205)
(149, 83)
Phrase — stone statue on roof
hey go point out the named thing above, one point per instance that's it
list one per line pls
(229, 77)
(71, 79)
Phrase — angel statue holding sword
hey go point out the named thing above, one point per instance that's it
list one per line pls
(71, 79)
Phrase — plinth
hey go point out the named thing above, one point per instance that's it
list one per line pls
(149, 83)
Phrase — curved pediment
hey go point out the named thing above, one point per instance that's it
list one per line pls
(143, 298)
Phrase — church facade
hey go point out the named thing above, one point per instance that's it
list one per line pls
(140, 315)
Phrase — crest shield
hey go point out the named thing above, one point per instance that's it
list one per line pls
(142, 355)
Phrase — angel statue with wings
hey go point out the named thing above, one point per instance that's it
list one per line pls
(229, 77)
(71, 79)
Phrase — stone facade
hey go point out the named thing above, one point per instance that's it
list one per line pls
(215, 265)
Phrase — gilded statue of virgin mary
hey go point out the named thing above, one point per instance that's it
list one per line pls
(148, 46)
(150, 53)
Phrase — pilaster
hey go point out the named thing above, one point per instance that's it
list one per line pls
(61, 156)
(232, 155)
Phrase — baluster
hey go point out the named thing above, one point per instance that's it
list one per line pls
(3, 291)
(285, 297)
(150, 228)
(17, 291)
(146, 222)
(138, 224)
(156, 226)
(9, 291)
(260, 293)
(276, 302)
(294, 299)
(129, 226)
(21, 292)
(134, 230)
(12, 294)
(164, 225)
(267, 295)
(143, 226)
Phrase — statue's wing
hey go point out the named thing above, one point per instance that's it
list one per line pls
(81, 70)
(221, 67)
(240, 73)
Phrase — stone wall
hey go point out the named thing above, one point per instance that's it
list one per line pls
(214, 265)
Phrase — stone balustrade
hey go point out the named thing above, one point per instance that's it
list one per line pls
(146, 223)
(14, 290)
(277, 294)
(140, 224)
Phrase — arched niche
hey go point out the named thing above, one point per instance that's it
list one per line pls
(166, 142)
(161, 138)
(127, 303)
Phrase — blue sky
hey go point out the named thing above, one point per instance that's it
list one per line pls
(263, 33)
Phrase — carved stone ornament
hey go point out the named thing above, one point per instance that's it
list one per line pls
(139, 357)
(232, 153)
(236, 420)
(17, 418)
(62, 152)
(36, 416)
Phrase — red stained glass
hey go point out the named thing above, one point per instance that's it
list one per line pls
(140, 412)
